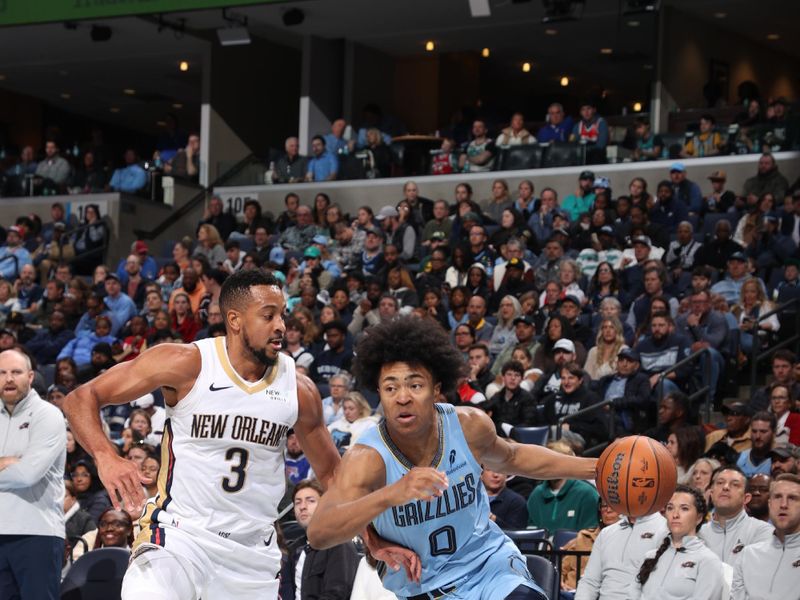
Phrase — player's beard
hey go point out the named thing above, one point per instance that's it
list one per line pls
(260, 354)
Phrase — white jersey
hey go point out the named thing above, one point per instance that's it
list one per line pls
(222, 452)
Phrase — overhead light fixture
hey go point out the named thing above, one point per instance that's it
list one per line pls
(235, 34)
(564, 81)
(177, 105)
(773, 36)
(66, 95)
(293, 17)
(720, 15)
(480, 8)
(633, 23)
(606, 51)
(430, 46)
(100, 33)
(637, 107)
(114, 109)
(485, 53)
(161, 123)
(526, 67)
(183, 66)
(550, 31)
(556, 11)
(129, 92)
(632, 7)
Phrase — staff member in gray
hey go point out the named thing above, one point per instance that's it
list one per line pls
(771, 570)
(730, 529)
(33, 450)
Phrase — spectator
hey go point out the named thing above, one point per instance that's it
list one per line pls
(31, 485)
(563, 503)
(768, 180)
(761, 566)
(334, 141)
(80, 348)
(324, 165)
(547, 266)
(336, 356)
(508, 508)
(183, 319)
(582, 200)
(49, 341)
(736, 433)
(783, 458)
(192, 287)
(479, 154)
(90, 241)
(119, 303)
(136, 342)
(574, 396)
(355, 422)
(148, 472)
(705, 143)
(210, 245)
(762, 434)
(114, 530)
(719, 250)
(685, 444)
(584, 541)
(686, 192)
(134, 281)
(515, 134)
(297, 238)
(758, 487)
(602, 358)
(719, 200)
(332, 406)
(730, 288)
(686, 568)
(654, 279)
(54, 170)
(215, 215)
(787, 427)
(512, 406)
(400, 234)
(557, 128)
(706, 329)
(58, 251)
(16, 175)
(783, 364)
(102, 359)
(661, 350)
(525, 335)
(297, 466)
(673, 414)
(629, 388)
(649, 146)
(131, 178)
(186, 162)
(13, 255)
(592, 129)
(681, 256)
(480, 376)
(291, 167)
(78, 522)
(563, 352)
(89, 489)
(669, 210)
(316, 574)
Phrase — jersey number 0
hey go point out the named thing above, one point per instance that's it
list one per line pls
(233, 484)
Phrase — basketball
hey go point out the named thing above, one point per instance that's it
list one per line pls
(636, 476)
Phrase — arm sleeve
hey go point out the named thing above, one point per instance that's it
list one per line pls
(738, 591)
(717, 332)
(47, 441)
(592, 576)
(67, 350)
(409, 243)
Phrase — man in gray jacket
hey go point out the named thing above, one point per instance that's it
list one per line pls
(617, 556)
(32, 456)
(706, 328)
(771, 570)
(730, 529)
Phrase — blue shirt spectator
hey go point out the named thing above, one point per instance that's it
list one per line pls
(120, 305)
(131, 178)
(48, 342)
(324, 165)
(9, 267)
(558, 127)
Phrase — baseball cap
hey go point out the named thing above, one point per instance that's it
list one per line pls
(718, 175)
(439, 236)
(59, 225)
(564, 344)
(336, 324)
(15, 229)
(602, 182)
(102, 348)
(139, 247)
(677, 166)
(515, 263)
(113, 276)
(527, 319)
(477, 265)
(320, 239)
(386, 212)
(586, 175)
(277, 255)
(145, 401)
(629, 353)
(738, 256)
(561, 230)
(736, 409)
(5, 331)
(471, 216)
(375, 231)
(608, 229)
(784, 451)
(572, 298)
(642, 239)
(312, 252)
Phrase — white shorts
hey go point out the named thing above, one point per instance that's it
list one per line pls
(188, 563)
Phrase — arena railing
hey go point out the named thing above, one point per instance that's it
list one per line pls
(757, 355)
(590, 409)
(703, 391)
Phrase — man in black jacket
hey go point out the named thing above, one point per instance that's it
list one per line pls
(309, 574)
(630, 390)
(512, 406)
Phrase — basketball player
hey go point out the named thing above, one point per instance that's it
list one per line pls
(230, 403)
(416, 477)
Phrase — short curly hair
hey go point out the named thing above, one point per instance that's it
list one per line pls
(410, 340)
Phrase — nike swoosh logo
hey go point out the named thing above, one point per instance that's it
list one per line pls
(211, 388)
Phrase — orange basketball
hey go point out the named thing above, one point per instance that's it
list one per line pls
(636, 476)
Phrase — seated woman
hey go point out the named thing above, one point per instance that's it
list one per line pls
(584, 541)
(356, 421)
(114, 530)
(89, 489)
(182, 318)
(602, 357)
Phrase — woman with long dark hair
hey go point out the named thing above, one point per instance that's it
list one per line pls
(89, 241)
(89, 489)
(604, 284)
(682, 568)
(557, 328)
(686, 445)
(182, 318)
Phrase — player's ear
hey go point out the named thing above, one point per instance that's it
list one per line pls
(233, 319)
(437, 390)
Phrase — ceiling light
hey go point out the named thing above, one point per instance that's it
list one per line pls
(606, 51)
(480, 8)
(183, 65)
(485, 53)
(430, 46)
(564, 81)
(633, 23)
(233, 36)
(114, 109)
(550, 31)
(720, 15)
(177, 105)
(129, 92)
(637, 107)
(526, 67)
(66, 95)
(773, 36)
(161, 123)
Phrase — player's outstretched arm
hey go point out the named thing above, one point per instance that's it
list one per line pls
(314, 437)
(358, 494)
(506, 456)
(169, 365)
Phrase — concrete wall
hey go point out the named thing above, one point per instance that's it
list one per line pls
(379, 192)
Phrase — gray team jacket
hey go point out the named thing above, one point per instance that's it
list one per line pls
(32, 490)
(768, 571)
(729, 540)
(689, 572)
(616, 556)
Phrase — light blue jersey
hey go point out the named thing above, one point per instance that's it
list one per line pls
(458, 545)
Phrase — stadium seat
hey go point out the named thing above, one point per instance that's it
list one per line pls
(545, 574)
(529, 540)
(526, 156)
(563, 154)
(97, 575)
(562, 536)
(531, 435)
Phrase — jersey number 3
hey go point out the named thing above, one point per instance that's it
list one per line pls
(233, 484)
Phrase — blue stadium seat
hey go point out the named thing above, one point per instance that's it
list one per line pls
(529, 540)
(531, 435)
(562, 536)
(97, 575)
(545, 574)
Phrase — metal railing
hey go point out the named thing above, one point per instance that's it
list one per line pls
(756, 355)
(703, 391)
(557, 556)
(585, 411)
(192, 203)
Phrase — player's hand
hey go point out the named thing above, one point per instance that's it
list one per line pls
(393, 555)
(122, 481)
(420, 483)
